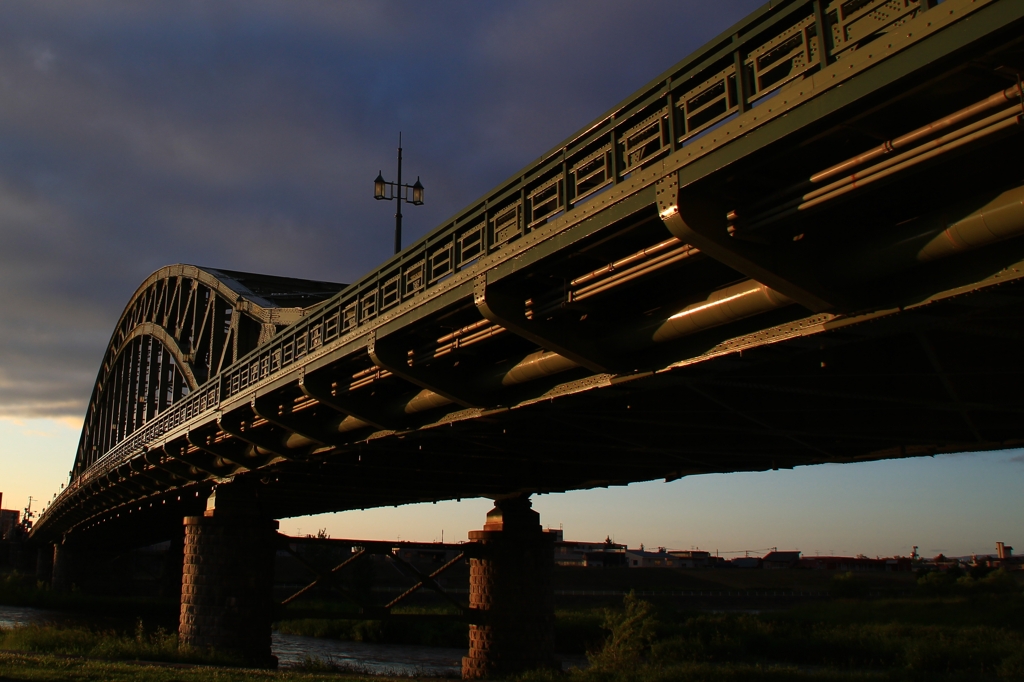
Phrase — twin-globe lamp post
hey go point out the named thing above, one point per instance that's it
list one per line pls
(382, 189)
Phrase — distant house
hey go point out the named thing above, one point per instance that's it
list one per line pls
(745, 562)
(605, 559)
(640, 558)
(693, 558)
(9, 520)
(780, 560)
(589, 554)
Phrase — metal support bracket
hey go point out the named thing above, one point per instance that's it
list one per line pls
(232, 424)
(177, 468)
(510, 313)
(232, 453)
(268, 408)
(319, 388)
(695, 220)
(390, 353)
(209, 467)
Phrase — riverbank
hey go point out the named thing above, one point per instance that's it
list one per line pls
(973, 636)
(49, 668)
(52, 668)
(949, 629)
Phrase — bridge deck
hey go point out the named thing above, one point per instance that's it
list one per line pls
(696, 282)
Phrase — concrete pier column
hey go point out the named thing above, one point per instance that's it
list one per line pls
(63, 570)
(510, 594)
(228, 577)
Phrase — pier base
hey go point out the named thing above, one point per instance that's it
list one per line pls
(511, 596)
(227, 578)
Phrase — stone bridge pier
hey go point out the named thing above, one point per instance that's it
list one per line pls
(228, 577)
(45, 562)
(511, 596)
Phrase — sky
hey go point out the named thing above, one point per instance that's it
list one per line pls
(246, 134)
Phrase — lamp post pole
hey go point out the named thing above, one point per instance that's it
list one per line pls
(398, 213)
(382, 189)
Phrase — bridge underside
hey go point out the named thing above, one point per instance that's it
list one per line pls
(711, 311)
(942, 378)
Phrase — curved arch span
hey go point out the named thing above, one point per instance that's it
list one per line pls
(183, 325)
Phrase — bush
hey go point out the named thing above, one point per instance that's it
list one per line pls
(848, 586)
(999, 582)
(936, 582)
(948, 582)
(631, 632)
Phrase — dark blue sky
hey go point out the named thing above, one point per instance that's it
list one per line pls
(246, 135)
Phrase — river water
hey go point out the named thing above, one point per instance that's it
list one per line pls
(374, 659)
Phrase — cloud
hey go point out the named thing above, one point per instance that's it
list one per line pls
(43, 58)
(245, 135)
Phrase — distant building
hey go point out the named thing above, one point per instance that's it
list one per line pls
(693, 558)
(780, 560)
(588, 554)
(605, 559)
(9, 520)
(848, 564)
(640, 558)
(1005, 559)
(745, 562)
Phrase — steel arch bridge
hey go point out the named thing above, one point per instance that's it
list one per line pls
(182, 326)
(804, 243)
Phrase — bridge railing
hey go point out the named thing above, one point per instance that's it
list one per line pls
(780, 43)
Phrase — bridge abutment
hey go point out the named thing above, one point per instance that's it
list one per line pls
(227, 577)
(511, 594)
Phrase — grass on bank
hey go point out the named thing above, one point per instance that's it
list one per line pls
(49, 668)
(140, 645)
(843, 640)
(959, 628)
(967, 629)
